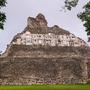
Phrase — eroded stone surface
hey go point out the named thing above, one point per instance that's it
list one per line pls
(37, 33)
(45, 55)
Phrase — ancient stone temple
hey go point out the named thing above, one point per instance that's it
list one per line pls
(38, 33)
(45, 55)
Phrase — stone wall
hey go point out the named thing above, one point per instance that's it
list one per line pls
(29, 71)
(26, 65)
(88, 66)
(37, 32)
(49, 39)
(47, 51)
(45, 55)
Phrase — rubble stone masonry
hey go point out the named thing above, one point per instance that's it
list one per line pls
(45, 55)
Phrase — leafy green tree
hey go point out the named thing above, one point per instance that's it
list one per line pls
(2, 14)
(84, 15)
(69, 4)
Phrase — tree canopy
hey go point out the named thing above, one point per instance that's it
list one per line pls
(2, 14)
(70, 3)
(84, 15)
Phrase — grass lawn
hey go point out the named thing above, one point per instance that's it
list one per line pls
(47, 87)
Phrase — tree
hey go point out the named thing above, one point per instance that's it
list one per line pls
(2, 14)
(70, 3)
(84, 16)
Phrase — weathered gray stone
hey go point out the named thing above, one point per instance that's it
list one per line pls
(37, 64)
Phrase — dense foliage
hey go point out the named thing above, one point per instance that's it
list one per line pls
(2, 14)
(70, 3)
(84, 15)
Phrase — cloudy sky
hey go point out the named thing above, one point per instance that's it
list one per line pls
(17, 12)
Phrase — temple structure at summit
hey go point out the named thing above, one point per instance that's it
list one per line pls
(45, 55)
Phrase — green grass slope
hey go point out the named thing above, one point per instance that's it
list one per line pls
(47, 87)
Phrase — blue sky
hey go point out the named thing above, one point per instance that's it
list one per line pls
(17, 12)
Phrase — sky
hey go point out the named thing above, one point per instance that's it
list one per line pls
(17, 12)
